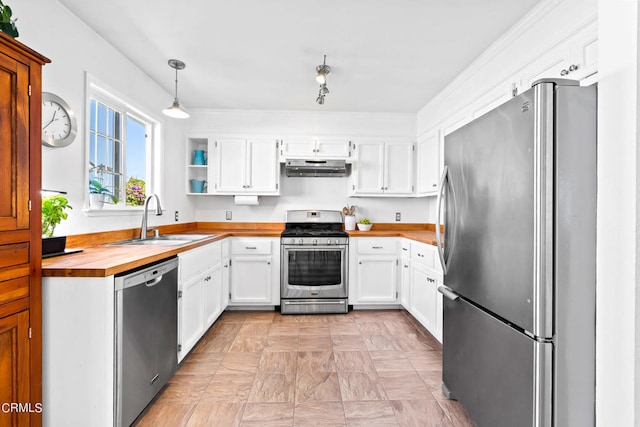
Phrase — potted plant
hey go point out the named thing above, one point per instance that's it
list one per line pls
(364, 224)
(7, 25)
(98, 193)
(53, 212)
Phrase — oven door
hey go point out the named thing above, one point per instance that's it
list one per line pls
(314, 271)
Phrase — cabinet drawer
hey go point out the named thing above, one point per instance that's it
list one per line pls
(14, 289)
(377, 246)
(14, 254)
(251, 247)
(423, 254)
(199, 259)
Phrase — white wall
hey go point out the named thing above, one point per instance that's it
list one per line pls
(307, 193)
(74, 49)
(618, 294)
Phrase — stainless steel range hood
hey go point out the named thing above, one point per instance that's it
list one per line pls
(316, 168)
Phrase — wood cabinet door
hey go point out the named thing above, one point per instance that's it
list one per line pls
(14, 145)
(14, 370)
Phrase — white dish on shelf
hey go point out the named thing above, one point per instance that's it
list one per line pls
(364, 227)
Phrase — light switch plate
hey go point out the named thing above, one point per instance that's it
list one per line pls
(398, 216)
(229, 215)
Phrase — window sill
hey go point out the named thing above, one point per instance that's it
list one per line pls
(108, 211)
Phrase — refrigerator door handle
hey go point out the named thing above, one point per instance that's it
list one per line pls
(441, 189)
(448, 293)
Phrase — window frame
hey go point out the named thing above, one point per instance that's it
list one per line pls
(102, 93)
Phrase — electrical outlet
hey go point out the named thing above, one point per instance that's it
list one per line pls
(228, 215)
(176, 215)
(398, 216)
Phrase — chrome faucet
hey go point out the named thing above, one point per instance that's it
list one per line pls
(143, 228)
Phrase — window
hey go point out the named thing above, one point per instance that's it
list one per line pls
(121, 150)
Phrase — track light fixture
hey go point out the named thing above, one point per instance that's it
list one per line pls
(175, 110)
(321, 77)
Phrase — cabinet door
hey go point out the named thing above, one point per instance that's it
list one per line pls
(439, 311)
(192, 321)
(251, 280)
(428, 164)
(405, 283)
(398, 169)
(231, 155)
(550, 65)
(262, 166)
(14, 367)
(368, 169)
(212, 294)
(376, 279)
(423, 296)
(14, 147)
(332, 148)
(298, 148)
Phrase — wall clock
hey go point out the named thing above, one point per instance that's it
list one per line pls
(59, 125)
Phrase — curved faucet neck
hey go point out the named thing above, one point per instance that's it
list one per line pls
(143, 227)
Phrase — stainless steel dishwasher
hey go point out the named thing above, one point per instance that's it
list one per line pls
(146, 336)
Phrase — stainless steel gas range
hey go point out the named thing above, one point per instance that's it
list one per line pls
(314, 263)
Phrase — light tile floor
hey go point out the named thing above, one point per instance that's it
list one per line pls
(373, 368)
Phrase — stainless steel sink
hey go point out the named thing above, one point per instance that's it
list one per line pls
(164, 240)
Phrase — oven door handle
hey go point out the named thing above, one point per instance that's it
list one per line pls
(314, 302)
(316, 247)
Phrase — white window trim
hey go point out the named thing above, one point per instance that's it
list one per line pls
(103, 92)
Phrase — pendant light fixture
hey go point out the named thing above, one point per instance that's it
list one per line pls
(321, 77)
(175, 110)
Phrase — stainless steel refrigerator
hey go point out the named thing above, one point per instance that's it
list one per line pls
(518, 203)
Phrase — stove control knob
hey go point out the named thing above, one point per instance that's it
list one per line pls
(329, 242)
(301, 241)
(293, 241)
(315, 241)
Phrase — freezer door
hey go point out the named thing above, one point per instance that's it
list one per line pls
(498, 201)
(501, 376)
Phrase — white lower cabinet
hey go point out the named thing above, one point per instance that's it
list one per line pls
(200, 298)
(424, 305)
(424, 275)
(226, 268)
(191, 315)
(405, 274)
(255, 273)
(375, 276)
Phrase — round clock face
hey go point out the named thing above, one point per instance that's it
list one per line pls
(58, 122)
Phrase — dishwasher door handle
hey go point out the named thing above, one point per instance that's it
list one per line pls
(154, 282)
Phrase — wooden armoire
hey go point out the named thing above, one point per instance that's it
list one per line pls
(20, 234)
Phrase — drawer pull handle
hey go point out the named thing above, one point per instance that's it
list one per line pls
(250, 247)
(377, 247)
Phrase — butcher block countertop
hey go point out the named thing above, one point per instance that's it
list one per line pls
(101, 260)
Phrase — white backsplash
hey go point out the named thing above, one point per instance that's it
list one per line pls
(313, 193)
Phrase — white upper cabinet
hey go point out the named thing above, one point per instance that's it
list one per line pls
(428, 164)
(575, 59)
(383, 168)
(311, 148)
(246, 166)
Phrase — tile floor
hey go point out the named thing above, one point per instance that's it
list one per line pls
(373, 368)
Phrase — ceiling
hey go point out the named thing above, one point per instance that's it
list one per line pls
(385, 55)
